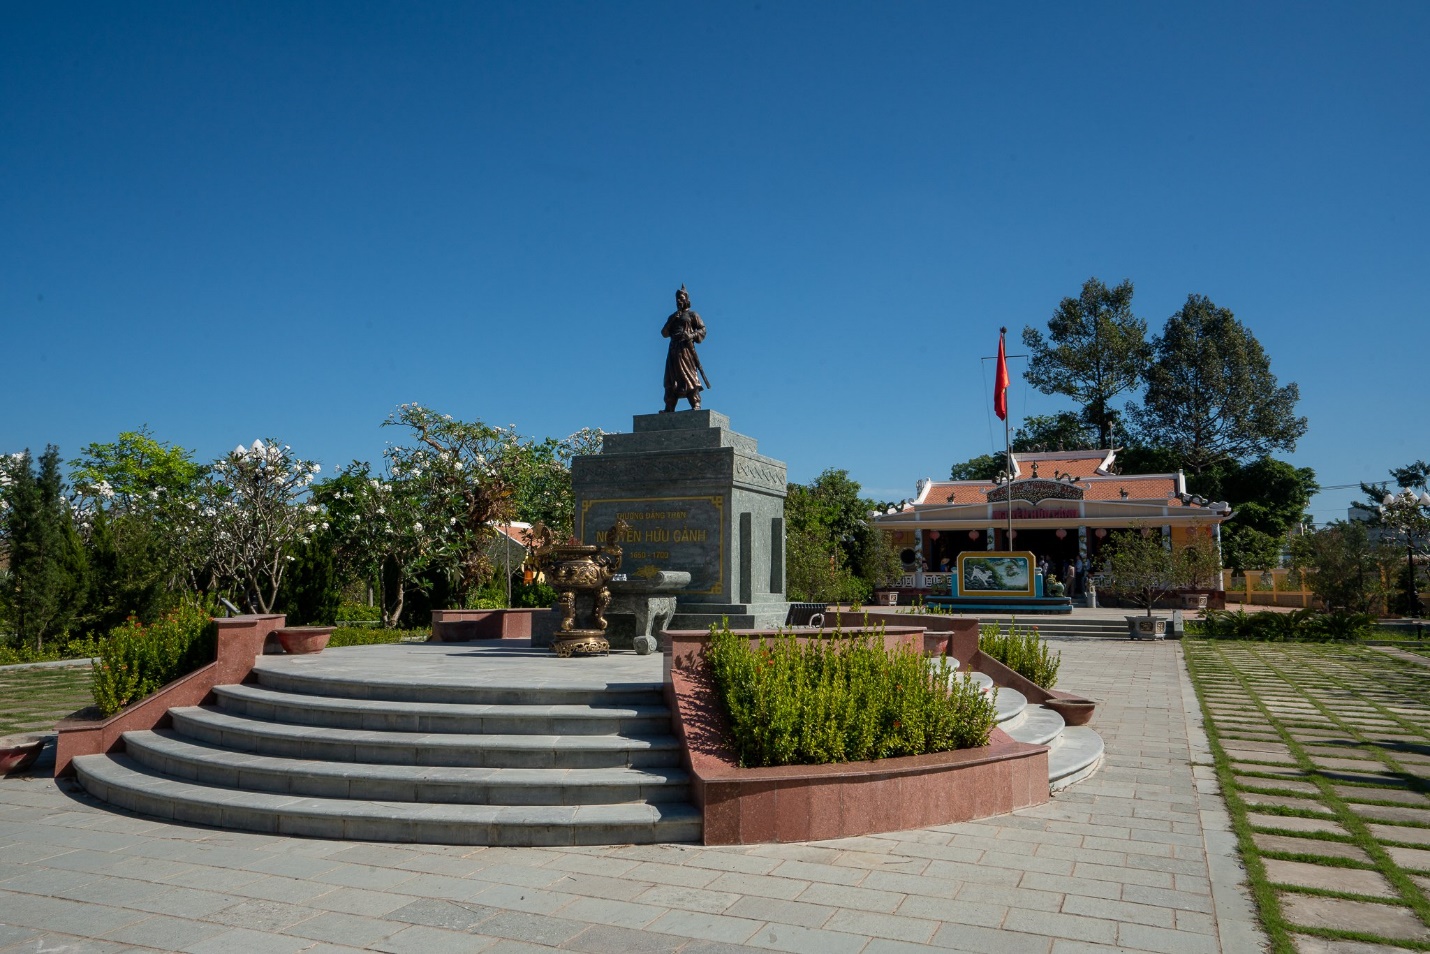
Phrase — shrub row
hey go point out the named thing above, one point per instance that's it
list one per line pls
(367, 636)
(135, 660)
(1303, 625)
(840, 699)
(1023, 651)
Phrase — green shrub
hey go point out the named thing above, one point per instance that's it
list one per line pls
(136, 660)
(1023, 651)
(367, 636)
(1304, 625)
(533, 596)
(357, 613)
(840, 699)
(13, 652)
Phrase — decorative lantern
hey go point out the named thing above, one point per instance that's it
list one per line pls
(1012, 534)
(973, 534)
(933, 534)
(1101, 532)
(1062, 534)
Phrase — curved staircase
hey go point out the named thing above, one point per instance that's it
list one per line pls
(318, 753)
(1074, 751)
(535, 752)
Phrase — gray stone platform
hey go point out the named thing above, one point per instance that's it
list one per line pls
(1137, 858)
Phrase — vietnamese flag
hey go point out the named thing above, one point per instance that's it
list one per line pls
(1000, 382)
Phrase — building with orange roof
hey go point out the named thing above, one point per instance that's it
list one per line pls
(1065, 504)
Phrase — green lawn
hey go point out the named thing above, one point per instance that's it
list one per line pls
(1323, 754)
(34, 699)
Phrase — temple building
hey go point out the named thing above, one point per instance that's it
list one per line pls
(1065, 505)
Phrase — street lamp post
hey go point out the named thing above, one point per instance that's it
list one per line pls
(1409, 514)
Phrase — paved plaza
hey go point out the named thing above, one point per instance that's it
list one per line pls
(1138, 858)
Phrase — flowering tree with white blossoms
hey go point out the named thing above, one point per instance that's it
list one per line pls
(254, 513)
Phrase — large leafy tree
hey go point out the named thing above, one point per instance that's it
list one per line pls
(138, 494)
(1348, 568)
(1211, 396)
(834, 550)
(47, 570)
(1095, 350)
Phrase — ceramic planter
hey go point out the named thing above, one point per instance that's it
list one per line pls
(1073, 711)
(304, 639)
(17, 752)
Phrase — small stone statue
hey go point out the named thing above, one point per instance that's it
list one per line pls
(683, 374)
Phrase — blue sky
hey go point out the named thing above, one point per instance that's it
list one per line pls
(240, 220)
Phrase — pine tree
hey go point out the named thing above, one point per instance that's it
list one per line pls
(46, 583)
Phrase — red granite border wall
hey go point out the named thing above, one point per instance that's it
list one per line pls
(460, 626)
(240, 642)
(812, 802)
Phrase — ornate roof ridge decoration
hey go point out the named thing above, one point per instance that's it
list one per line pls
(1034, 489)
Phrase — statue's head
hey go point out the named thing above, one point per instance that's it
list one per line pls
(682, 298)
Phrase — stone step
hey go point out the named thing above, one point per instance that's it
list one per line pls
(166, 752)
(1074, 755)
(1036, 725)
(1011, 705)
(260, 702)
(327, 682)
(121, 781)
(232, 731)
(1087, 627)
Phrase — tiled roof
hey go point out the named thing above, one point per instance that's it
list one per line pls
(1139, 487)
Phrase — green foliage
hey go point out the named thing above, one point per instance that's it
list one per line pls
(982, 467)
(1296, 626)
(312, 591)
(1210, 393)
(834, 552)
(13, 652)
(1144, 569)
(370, 636)
(1246, 548)
(1053, 432)
(1096, 349)
(47, 574)
(357, 613)
(135, 660)
(1348, 569)
(1022, 650)
(841, 699)
(533, 595)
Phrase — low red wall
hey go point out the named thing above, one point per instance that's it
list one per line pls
(461, 626)
(240, 642)
(811, 802)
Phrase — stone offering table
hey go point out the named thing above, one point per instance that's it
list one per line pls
(641, 607)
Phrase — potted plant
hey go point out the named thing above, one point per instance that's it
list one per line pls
(304, 639)
(1145, 570)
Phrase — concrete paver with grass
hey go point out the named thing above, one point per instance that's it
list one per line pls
(34, 698)
(1139, 858)
(1324, 752)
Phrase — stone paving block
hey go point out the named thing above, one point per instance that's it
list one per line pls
(1293, 823)
(843, 896)
(1367, 917)
(420, 939)
(1394, 813)
(441, 913)
(1414, 836)
(338, 928)
(804, 940)
(1107, 909)
(1417, 859)
(1306, 944)
(1350, 880)
(1056, 924)
(962, 911)
(688, 899)
(760, 885)
(801, 913)
(1360, 793)
(810, 871)
(1308, 846)
(164, 933)
(375, 904)
(710, 927)
(971, 939)
(891, 926)
(608, 911)
(606, 939)
(259, 915)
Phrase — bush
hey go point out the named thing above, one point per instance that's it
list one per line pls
(1303, 625)
(368, 636)
(1023, 651)
(840, 699)
(357, 613)
(14, 653)
(136, 660)
(533, 596)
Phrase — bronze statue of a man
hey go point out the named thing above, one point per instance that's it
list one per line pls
(683, 374)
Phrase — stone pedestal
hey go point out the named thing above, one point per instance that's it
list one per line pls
(700, 499)
(641, 608)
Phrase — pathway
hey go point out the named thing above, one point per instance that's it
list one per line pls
(1138, 858)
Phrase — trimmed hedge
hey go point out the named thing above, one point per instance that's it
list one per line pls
(367, 636)
(840, 699)
(136, 660)
(1023, 651)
